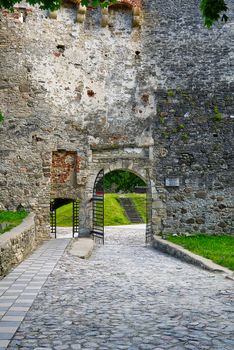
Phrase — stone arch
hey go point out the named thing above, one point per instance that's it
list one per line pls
(139, 169)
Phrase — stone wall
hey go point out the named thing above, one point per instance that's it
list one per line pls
(164, 89)
(16, 244)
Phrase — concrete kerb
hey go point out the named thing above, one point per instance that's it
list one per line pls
(185, 255)
(81, 247)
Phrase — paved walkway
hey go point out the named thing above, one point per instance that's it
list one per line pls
(19, 289)
(128, 296)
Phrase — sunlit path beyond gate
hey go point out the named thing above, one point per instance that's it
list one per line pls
(129, 296)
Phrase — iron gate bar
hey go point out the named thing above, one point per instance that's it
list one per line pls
(53, 218)
(98, 207)
(75, 217)
(149, 231)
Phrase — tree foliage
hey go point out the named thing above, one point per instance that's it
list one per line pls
(53, 5)
(122, 180)
(211, 10)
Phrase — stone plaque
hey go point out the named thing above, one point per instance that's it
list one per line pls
(172, 182)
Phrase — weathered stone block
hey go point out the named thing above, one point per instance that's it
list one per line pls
(201, 194)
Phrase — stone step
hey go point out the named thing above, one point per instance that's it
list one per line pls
(130, 210)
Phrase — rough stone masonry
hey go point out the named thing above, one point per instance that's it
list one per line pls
(156, 99)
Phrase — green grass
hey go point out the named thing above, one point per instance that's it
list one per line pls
(219, 249)
(64, 215)
(14, 218)
(114, 213)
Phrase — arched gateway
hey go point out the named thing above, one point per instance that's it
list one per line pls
(98, 208)
(70, 180)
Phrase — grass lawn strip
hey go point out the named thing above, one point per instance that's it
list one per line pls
(64, 215)
(14, 218)
(219, 249)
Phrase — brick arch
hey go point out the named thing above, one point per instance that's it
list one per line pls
(134, 5)
(129, 3)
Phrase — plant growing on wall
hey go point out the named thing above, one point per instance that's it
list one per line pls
(1, 117)
(211, 10)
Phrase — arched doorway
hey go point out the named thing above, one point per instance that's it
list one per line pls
(130, 182)
(64, 217)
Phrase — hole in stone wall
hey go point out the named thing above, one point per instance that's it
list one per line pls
(137, 53)
(90, 93)
(61, 48)
(215, 135)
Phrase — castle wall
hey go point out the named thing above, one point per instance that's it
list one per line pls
(166, 87)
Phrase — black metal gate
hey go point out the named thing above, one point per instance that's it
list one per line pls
(75, 217)
(149, 231)
(53, 218)
(98, 207)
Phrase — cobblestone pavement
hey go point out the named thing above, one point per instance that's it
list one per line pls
(129, 296)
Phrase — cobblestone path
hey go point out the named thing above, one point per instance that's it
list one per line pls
(128, 296)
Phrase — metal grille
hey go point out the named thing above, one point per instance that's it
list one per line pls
(98, 207)
(53, 218)
(75, 216)
(149, 231)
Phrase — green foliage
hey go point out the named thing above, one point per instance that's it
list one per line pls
(170, 93)
(217, 115)
(14, 218)
(1, 117)
(165, 135)
(220, 249)
(121, 180)
(185, 137)
(161, 120)
(181, 126)
(64, 215)
(54, 4)
(96, 3)
(114, 213)
(211, 11)
(43, 4)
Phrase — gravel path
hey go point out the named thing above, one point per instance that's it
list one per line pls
(129, 296)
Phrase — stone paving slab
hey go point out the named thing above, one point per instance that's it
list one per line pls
(82, 248)
(129, 296)
(20, 287)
